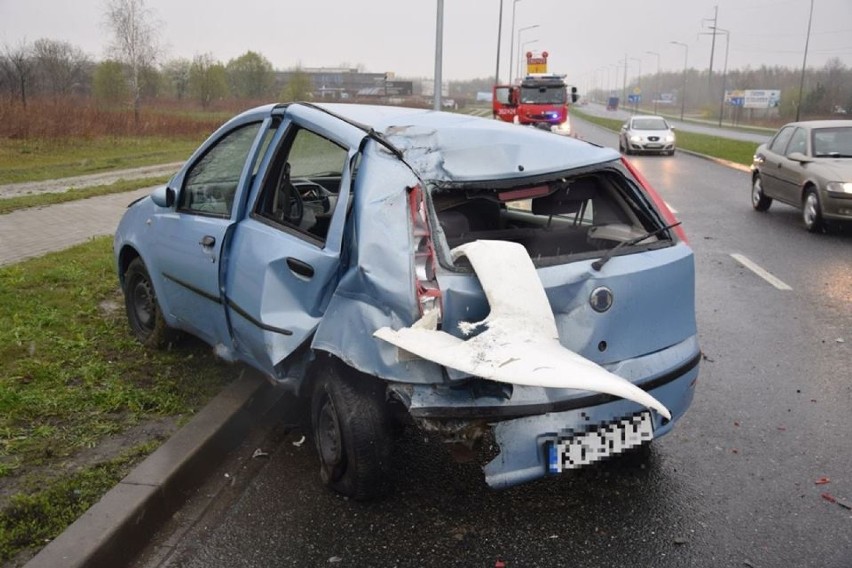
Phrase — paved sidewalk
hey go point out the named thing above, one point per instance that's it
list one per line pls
(103, 178)
(36, 231)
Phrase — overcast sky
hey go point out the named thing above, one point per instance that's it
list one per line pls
(399, 35)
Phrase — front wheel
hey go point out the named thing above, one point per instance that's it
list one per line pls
(812, 212)
(143, 311)
(352, 428)
(758, 199)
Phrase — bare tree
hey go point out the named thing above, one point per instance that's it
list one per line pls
(134, 40)
(18, 66)
(60, 67)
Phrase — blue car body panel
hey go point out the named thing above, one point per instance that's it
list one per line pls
(243, 295)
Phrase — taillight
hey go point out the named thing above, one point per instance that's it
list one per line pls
(658, 201)
(425, 282)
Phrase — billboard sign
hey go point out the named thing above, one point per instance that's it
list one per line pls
(761, 98)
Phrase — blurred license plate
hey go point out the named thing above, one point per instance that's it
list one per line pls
(610, 439)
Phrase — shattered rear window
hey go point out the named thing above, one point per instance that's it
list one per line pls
(581, 215)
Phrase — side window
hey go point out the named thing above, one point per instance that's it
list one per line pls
(798, 143)
(501, 95)
(211, 184)
(779, 144)
(301, 188)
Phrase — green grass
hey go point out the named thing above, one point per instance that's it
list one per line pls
(736, 151)
(71, 375)
(37, 160)
(33, 518)
(73, 194)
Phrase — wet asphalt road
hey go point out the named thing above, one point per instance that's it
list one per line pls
(733, 485)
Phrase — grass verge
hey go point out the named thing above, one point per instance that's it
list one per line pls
(736, 151)
(73, 194)
(72, 382)
(43, 159)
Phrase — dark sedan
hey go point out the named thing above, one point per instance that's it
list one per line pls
(807, 165)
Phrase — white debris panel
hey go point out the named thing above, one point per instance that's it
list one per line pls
(520, 344)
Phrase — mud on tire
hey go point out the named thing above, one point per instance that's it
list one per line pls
(143, 311)
(352, 429)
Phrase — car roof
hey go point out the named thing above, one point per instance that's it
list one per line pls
(821, 123)
(647, 116)
(460, 147)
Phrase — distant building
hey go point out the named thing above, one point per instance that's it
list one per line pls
(337, 83)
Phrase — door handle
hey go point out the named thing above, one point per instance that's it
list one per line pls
(301, 268)
(207, 241)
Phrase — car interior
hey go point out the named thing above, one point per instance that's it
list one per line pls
(587, 214)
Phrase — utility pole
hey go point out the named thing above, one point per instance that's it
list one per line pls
(804, 63)
(624, 86)
(712, 47)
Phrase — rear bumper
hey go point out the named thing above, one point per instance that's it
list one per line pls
(523, 453)
(523, 423)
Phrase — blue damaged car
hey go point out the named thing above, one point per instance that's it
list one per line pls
(492, 285)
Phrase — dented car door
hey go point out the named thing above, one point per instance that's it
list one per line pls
(285, 254)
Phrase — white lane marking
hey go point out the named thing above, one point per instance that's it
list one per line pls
(672, 209)
(760, 272)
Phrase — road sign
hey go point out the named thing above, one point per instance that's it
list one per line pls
(634, 99)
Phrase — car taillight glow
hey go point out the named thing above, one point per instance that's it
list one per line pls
(658, 201)
(425, 283)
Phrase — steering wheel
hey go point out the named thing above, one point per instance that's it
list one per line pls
(313, 195)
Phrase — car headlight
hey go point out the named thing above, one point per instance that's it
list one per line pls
(839, 187)
(670, 138)
(635, 138)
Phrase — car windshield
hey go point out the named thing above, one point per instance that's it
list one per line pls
(649, 124)
(543, 95)
(833, 142)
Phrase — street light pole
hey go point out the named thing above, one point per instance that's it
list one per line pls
(804, 62)
(439, 48)
(638, 80)
(499, 34)
(656, 79)
(520, 31)
(512, 40)
(685, 58)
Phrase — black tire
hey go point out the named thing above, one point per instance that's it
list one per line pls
(143, 311)
(758, 199)
(812, 211)
(352, 429)
(620, 146)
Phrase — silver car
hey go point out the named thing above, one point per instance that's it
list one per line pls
(807, 165)
(647, 134)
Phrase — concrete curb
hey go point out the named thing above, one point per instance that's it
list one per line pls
(121, 524)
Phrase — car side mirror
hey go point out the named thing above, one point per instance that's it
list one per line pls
(163, 196)
(574, 95)
(671, 128)
(799, 157)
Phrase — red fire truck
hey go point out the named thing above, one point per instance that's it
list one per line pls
(539, 99)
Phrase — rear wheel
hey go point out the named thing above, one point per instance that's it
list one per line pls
(812, 211)
(758, 199)
(352, 428)
(143, 311)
